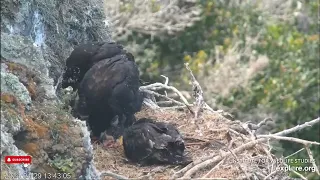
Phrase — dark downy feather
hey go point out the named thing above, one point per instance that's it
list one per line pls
(110, 88)
(83, 57)
(149, 142)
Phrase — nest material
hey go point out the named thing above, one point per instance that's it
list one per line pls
(206, 136)
(219, 147)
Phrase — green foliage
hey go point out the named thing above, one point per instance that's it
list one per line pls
(290, 84)
(216, 28)
(62, 164)
(288, 87)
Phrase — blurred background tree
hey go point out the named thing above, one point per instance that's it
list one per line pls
(254, 58)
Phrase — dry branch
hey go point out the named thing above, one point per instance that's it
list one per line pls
(297, 140)
(259, 125)
(194, 167)
(312, 159)
(298, 174)
(114, 175)
(239, 164)
(214, 168)
(197, 92)
(150, 103)
(271, 174)
(295, 153)
(160, 86)
(163, 96)
(166, 82)
(298, 127)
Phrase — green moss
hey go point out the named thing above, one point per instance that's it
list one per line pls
(62, 164)
(11, 84)
(12, 117)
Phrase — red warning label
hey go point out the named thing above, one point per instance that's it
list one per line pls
(17, 159)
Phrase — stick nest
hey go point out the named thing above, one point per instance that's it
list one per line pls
(207, 136)
(219, 147)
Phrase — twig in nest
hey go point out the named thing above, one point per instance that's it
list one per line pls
(251, 128)
(163, 96)
(312, 159)
(214, 168)
(197, 92)
(150, 103)
(165, 103)
(259, 125)
(255, 127)
(298, 174)
(159, 86)
(173, 107)
(195, 143)
(238, 134)
(270, 159)
(225, 114)
(231, 142)
(271, 174)
(259, 175)
(194, 139)
(206, 106)
(246, 126)
(114, 175)
(270, 162)
(165, 83)
(235, 157)
(294, 153)
(201, 163)
(154, 171)
(240, 127)
(264, 122)
(218, 130)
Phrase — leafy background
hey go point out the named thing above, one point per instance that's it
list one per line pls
(255, 59)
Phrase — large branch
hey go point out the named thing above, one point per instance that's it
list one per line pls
(298, 127)
(292, 139)
(160, 86)
(197, 165)
(197, 92)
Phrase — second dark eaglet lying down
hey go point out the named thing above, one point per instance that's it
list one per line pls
(83, 57)
(149, 142)
(109, 95)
